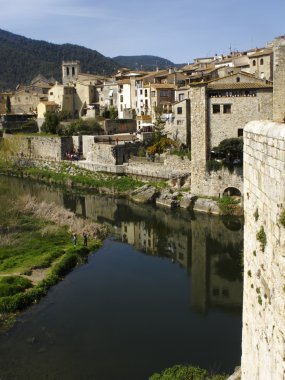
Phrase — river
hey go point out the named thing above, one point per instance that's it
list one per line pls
(165, 288)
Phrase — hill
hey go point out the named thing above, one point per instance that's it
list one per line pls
(143, 62)
(23, 58)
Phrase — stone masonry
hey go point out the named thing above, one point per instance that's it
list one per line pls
(263, 336)
(279, 80)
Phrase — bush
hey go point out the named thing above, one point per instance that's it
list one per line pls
(227, 205)
(11, 285)
(261, 237)
(213, 165)
(181, 372)
(80, 127)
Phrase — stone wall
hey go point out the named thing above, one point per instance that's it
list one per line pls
(171, 166)
(279, 80)
(263, 337)
(214, 184)
(243, 109)
(41, 147)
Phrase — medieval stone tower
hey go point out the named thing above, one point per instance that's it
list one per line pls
(279, 79)
(70, 71)
(263, 337)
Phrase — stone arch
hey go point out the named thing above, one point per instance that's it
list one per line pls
(232, 191)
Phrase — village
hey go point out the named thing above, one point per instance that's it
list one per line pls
(199, 105)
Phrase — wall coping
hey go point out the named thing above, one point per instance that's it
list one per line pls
(266, 128)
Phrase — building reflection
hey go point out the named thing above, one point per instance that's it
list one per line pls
(209, 248)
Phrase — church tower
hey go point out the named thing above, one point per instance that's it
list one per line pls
(70, 71)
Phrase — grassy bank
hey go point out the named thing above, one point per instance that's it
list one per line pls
(36, 250)
(68, 175)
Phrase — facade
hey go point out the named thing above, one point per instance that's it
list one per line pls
(64, 97)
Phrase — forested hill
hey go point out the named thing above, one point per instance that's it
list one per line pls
(22, 59)
(143, 62)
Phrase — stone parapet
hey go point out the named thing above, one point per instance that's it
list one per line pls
(263, 337)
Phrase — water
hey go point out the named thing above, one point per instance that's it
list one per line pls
(165, 288)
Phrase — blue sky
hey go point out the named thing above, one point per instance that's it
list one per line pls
(178, 30)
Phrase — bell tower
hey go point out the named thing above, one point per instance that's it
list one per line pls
(70, 71)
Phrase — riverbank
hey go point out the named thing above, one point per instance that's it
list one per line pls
(37, 251)
(162, 193)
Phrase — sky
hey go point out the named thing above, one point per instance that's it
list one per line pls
(178, 30)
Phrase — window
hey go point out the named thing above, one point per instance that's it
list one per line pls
(179, 110)
(261, 61)
(240, 132)
(216, 108)
(227, 108)
(238, 79)
(121, 98)
(51, 93)
(141, 91)
(180, 97)
(145, 93)
(73, 71)
(163, 93)
(67, 71)
(179, 122)
(254, 62)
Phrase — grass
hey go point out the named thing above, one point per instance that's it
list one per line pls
(37, 236)
(67, 174)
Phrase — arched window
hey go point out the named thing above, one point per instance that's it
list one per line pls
(238, 79)
(254, 62)
(261, 61)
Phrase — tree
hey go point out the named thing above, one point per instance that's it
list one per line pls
(51, 123)
(230, 149)
(8, 104)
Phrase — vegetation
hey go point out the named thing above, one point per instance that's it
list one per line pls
(183, 372)
(282, 218)
(25, 58)
(110, 113)
(53, 125)
(51, 122)
(143, 62)
(228, 153)
(230, 149)
(213, 165)
(36, 238)
(261, 237)
(228, 205)
(182, 152)
(160, 140)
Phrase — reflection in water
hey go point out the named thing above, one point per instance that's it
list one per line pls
(208, 248)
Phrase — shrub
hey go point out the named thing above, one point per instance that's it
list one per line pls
(227, 205)
(182, 372)
(11, 285)
(261, 237)
(282, 218)
(213, 166)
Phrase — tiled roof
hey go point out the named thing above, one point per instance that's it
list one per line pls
(260, 53)
(238, 86)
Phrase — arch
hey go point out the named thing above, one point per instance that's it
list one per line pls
(232, 191)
